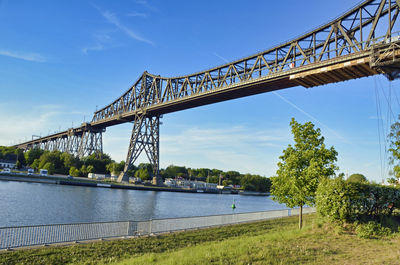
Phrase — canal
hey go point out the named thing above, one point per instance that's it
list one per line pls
(24, 203)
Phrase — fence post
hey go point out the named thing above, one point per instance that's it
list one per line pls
(128, 232)
(151, 221)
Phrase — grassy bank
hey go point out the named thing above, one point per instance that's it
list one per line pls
(269, 242)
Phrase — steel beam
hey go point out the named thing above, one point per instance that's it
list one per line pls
(145, 137)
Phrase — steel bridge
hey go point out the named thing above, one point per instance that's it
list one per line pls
(362, 42)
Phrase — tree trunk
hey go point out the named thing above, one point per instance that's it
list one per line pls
(301, 217)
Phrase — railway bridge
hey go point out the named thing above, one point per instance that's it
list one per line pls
(362, 42)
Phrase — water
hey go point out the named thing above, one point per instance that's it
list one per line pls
(34, 204)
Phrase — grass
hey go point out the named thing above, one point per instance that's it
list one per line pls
(268, 242)
(313, 245)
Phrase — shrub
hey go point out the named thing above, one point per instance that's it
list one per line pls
(343, 201)
(372, 230)
(334, 199)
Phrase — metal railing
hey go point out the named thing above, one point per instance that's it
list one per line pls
(23, 236)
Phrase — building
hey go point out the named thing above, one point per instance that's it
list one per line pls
(189, 184)
(96, 176)
(7, 163)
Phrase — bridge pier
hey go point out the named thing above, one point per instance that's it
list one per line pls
(145, 136)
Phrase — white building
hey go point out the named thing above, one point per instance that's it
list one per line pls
(182, 183)
(97, 176)
(7, 163)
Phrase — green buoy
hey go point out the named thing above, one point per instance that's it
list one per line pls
(233, 206)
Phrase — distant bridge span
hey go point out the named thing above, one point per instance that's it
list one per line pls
(362, 42)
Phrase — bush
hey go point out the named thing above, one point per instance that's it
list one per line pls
(372, 230)
(334, 200)
(343, 201)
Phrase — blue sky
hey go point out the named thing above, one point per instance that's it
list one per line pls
(60, 60)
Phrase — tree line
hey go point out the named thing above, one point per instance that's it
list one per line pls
(57, 162)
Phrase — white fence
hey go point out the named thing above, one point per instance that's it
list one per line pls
(22, 236)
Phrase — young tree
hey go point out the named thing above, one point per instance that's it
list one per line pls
(360, 178)
(394, 149)
(302, 166)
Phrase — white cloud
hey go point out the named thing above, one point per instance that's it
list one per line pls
(247, 150)
(101, 41)
(146, 4)
(228, 148)
(32, 57)
(19, 124)
(113, 19)
(96, 47)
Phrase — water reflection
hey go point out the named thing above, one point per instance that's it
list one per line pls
(31, 203)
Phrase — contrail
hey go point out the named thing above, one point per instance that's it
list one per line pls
(220, 57)
(308, 115)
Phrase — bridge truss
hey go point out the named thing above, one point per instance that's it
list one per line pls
(82, 141)
(362, 42)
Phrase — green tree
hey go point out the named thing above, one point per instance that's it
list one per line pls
(50, 167)
(53, 158)
(69, 161)
(73, 171)
(98, 162)
(360, 178)
(233, 176)
(203, 173)
(32, 154)
(212, 179)
(144, 171)
(143, 174)
(392, 181)
(174, 171)
(302, 166)
(255, 183)
(394, 148)
(12, 153)
(35, 164)
(83, 171)
(89, 169)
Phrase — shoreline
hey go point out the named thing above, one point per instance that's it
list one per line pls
(59, 180)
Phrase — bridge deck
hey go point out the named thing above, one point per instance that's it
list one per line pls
(331, 71)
